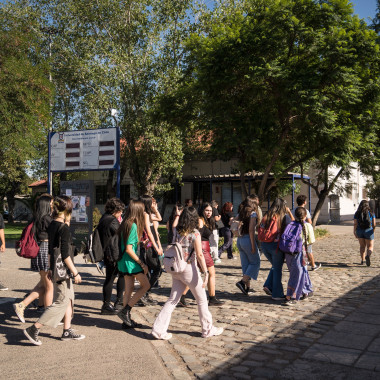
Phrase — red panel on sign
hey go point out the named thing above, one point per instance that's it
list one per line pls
(70, 164)
(72, 145)
(106, 162)
(106, 153)
(107, 143)
(73, 154)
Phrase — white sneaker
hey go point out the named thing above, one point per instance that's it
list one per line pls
(217, 261)
(216, 331)
(165, 336)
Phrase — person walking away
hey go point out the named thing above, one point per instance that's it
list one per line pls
(301, 202)
(176, 212)
(214, 238)
(107, 228)
(131, 266)
(63, 304)
(246, 242)
(206, 226)
(2, 245)
(44, 288)
(270, 230)
(189, 237)
(226, 218)
(299, 284)
(364, 231)
(150, 248)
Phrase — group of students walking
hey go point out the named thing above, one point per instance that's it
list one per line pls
(140, 256)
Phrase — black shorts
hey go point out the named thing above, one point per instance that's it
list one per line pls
(130, 274)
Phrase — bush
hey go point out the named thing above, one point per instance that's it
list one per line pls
(321, 233)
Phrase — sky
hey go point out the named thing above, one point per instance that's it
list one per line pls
(365, 8)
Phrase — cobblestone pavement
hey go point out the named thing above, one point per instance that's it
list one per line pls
(333, 335)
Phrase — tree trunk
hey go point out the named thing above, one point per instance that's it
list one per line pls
(321, 200)
(244, 192)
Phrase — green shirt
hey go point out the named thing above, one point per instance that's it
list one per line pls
(127, 264)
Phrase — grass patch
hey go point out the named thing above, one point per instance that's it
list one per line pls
(163, 234)
(13, 231)
(321, 233)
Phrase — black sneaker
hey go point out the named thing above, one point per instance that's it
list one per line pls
(118, 305)
(32, 334)
(3, 287)
(368, 261)
(182, 302)
(250, 291)
(150, 300)
(213, 301)
(69, 334)
(304, 296)
(108, 309)
(240, 284)
(316, 267)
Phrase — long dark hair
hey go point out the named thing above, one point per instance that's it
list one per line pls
(147, 200)
(188, 221)
(43, 209)
(246, 208)
(134, 214)
(299, 215)
(209, 222)
(178, 207)
(364, 208)
(278, 210)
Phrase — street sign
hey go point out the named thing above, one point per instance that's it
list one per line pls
(94, 149)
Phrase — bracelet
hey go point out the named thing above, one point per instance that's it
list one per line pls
(76, 275)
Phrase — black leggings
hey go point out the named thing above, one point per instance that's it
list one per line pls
(150, 257)
(111, 273)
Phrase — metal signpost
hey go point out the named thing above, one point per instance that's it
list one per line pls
(85, 150)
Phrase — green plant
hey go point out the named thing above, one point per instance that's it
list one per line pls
(321, 233)
(96, 215)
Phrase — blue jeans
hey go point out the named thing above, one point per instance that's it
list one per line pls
(250, 263)
(227, 246)
(276, 258)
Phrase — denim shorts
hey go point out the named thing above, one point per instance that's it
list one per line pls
(367, 234)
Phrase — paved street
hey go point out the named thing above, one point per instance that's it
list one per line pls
(333, 335)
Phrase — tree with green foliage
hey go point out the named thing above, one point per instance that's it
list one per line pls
(25, 95)
(111, 60)
(278, 83)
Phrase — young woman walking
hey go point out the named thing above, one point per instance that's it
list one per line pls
(151, 246)
(44, 288)
(206, 224)
(62, 307)
(189, 237)
(108, 227)
(131, 266)
(364, 231)
(226, 217)
(246, 242)
(270, 230)
(299, 284)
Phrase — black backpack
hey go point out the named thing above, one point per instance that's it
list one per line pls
(94, 248)
(364, 220)
(112, 251)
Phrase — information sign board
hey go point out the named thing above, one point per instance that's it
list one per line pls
(93, 149)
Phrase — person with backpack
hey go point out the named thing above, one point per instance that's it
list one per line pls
(150, 247)
(295, 236)
(269, 232)
(130, 265)
(62, 308)
(189, 239)
(246, 242)
(107, 228)
(364, 231)
(301, 202)
(44, 289)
